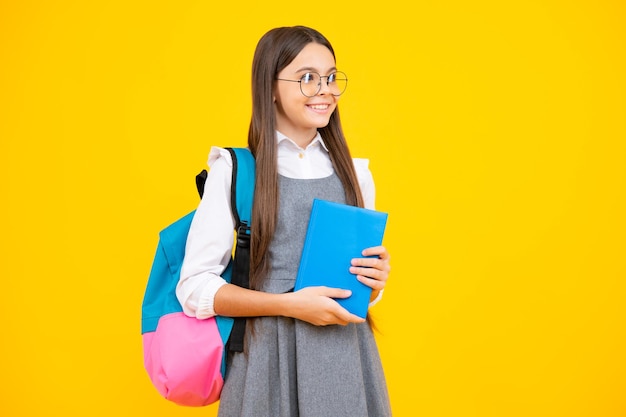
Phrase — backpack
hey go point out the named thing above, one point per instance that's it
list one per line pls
(186, 357)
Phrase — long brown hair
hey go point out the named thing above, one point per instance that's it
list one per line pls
(276, 49)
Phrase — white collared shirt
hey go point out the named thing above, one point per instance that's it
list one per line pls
(210, 239)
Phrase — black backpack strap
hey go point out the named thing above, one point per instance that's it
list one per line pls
(241, 260)
(200, 180)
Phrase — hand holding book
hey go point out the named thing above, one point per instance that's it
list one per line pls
(336, 237)
(373, 269)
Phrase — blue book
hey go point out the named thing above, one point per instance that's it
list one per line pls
(336, 234)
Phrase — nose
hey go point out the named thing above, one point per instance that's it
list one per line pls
(324, 87)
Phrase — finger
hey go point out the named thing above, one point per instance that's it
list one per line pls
(356, 319)
(379, 251)
(370, 263)
(375, 284)
(342, 315)
(370, 267)
(345, 317)
(335, 292)
(368, 272)
(338, 315)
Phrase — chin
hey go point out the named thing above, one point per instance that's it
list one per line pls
(321, 123)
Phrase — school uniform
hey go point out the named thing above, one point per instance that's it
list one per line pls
(289, 367)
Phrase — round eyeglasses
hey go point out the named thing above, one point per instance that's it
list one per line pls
(311, 83)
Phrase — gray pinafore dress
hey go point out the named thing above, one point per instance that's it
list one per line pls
(291, 368)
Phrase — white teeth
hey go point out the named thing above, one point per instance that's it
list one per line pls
(319, 106)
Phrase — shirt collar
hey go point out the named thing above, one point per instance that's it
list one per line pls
(280, 138)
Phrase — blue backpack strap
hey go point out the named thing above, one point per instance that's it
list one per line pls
(242, 196)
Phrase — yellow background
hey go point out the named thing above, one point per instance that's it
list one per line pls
(496, 133)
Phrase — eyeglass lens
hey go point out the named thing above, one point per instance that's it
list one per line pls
(311, 83)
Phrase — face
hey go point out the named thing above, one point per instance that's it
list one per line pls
(298, 116)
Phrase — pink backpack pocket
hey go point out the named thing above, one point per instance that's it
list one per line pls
(183, 358)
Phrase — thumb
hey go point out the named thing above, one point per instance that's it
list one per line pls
(337, 293)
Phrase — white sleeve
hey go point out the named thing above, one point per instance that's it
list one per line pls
(366, 182)
(209, 242)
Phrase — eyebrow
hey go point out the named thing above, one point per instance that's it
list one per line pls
(314, 69)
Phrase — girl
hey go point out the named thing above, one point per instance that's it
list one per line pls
(304, 354)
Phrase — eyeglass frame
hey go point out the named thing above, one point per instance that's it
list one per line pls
(319, 85)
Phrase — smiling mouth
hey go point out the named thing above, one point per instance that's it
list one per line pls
(319, 106)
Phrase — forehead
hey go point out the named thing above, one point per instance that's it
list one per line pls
(313, 57)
